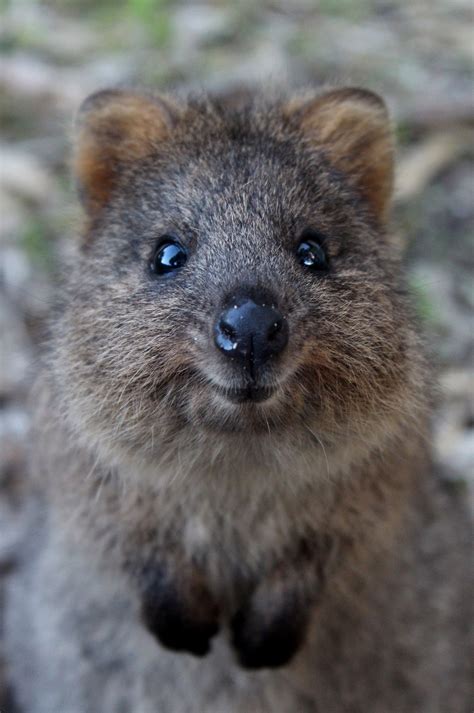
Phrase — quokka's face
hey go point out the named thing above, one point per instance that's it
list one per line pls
(234, 275)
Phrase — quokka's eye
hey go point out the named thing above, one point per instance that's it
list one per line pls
(168, 256)
(310, 252)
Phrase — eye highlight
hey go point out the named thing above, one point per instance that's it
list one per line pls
(310, 253)
(169, 256)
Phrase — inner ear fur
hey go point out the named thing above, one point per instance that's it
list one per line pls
(115, 128)
(353, 128)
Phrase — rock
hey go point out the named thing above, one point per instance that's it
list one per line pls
(23, 176)
(454, 428)
(199, 24)
(450, 323)
(12, 216)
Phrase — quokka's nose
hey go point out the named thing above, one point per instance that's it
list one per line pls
(251, 331)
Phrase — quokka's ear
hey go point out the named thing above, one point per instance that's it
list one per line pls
(353, 127)
(113, 129)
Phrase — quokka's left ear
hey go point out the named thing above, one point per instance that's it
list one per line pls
(114, 128)
(353, 127)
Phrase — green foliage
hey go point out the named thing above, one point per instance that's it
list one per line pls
(349, 9)
(404, 134)
(152, 16)
(424, 307)
(36, 244)
(155, 16)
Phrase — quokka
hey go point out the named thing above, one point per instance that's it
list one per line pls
(236, 510)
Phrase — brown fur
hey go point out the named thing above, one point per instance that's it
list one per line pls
(353, 127)
(115, 128)
(300, 527)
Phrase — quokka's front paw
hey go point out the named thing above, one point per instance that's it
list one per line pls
(269, 630)
(181, 613)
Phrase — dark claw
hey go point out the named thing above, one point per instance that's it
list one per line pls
(180, 623)
(269, 644)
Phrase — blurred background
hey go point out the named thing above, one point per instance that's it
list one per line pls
(418, 55)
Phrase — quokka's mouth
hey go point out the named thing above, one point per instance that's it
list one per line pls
(247, 394)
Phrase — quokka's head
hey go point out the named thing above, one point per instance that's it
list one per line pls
(234, 274)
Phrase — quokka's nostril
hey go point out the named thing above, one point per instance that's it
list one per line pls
(227, 330)
(274, 329)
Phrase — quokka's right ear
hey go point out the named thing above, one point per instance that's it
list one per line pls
(114, 128)
(353, 127)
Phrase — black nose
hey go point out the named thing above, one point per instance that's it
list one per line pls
(251, 332)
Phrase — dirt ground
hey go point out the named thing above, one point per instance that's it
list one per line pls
(418, 54)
